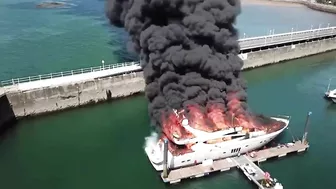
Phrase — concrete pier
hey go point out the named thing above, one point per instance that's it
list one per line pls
(45, 93)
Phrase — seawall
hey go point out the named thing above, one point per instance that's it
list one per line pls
(51, 99)
(320, 7)
(312, 5)
(289, 52)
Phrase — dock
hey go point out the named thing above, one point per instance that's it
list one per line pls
(256, 174)
(221, 165)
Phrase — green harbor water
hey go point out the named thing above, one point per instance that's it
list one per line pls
(102, 146)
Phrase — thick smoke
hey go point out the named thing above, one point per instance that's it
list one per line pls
(188, 50)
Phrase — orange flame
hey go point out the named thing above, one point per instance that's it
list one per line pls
(198, 119)
(173, 129)
(217, 116)
(215, 119)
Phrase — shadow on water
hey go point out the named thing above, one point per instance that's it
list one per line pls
(331, 106)
(8, 131)
(7, 117)
(123, 52)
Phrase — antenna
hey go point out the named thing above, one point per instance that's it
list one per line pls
(329, 84)
(304, 137)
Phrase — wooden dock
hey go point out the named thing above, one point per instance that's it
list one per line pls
(199, 170)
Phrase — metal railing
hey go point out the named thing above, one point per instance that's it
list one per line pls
(66, 73)
(245, 43)
(274, 39)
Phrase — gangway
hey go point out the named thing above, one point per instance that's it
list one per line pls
(255, 174)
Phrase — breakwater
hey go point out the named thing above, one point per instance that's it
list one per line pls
(312, 5)
(36, 96)
(320, 7)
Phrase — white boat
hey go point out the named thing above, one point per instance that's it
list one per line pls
(210, 146)
(330, 94)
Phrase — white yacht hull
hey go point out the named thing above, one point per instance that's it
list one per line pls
(212, 151)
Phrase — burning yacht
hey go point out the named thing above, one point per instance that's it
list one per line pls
(189, 142)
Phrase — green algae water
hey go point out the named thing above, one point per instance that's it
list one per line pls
(102, 146)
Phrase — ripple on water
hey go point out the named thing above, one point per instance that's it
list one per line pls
(316, 83)
(5, 39)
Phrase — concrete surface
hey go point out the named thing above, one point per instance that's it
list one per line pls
(55, 98)
(49, 99)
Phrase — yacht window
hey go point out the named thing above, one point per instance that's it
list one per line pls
(246, 146)
(182, 161)
(260, 141)
(223, 152)
(188, 160)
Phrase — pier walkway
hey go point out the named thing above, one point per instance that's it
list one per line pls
(255, 173)
(67, 77)
(199, 170)
(283, 38)
(79, 75)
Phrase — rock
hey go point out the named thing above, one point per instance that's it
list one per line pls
(51, 5)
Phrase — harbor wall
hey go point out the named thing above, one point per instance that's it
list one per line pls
(7, 116)
(289, 52)
(51, 99)
(312, 5)
(320, 7)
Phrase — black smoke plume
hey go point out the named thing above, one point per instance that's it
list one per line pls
(188, 50)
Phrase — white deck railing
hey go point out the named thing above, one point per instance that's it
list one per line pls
(274, 39)
(245, 43)
(66, 73)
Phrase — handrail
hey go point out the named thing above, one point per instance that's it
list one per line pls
(245, 43)
(293, 32)
(274, 39)
(15, 81)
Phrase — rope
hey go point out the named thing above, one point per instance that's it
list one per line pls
(294, 139)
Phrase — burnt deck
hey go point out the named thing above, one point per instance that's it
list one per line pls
(199, 170)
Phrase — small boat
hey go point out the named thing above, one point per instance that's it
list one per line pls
(330, 94)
